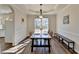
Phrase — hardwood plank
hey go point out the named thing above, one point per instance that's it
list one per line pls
(56, 48)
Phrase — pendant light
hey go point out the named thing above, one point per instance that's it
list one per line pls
(41, 16)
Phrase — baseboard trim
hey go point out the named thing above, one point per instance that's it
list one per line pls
(24, 39)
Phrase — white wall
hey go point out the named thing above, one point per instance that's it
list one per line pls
(9, 31)
(70, 30)
(7, 27)
(51, 19)
(15, 30)
(30, 23)
(20, 27)
(52, 22)
(2, 22)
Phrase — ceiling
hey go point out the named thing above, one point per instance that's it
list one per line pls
(4, 9)
(46, 8)
(34, 8)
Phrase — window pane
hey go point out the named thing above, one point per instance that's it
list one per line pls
(41, 25)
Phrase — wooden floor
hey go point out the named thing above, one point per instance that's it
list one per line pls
(56, 48)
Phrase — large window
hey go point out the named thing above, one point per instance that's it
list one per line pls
(41, 25)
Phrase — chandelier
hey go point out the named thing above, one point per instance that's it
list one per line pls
(41, 16)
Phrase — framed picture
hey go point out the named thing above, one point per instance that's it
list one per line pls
(22, 19)
(66, 19)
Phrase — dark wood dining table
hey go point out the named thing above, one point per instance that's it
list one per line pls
(45, 38)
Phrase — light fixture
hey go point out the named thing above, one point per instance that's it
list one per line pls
(41, 16)
(8, 18)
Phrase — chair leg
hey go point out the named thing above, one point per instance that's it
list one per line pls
(31, 49)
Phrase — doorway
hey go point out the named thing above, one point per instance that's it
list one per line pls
(41, 25)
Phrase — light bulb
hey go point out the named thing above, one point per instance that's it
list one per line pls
(41, 16)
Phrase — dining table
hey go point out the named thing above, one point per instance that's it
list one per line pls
(40, 40)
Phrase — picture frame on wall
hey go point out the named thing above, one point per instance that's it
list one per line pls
(22, 19)
(66, 19)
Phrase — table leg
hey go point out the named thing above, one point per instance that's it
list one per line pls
(32, 45)
(49, 44)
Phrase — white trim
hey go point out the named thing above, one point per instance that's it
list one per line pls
(66, 7)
